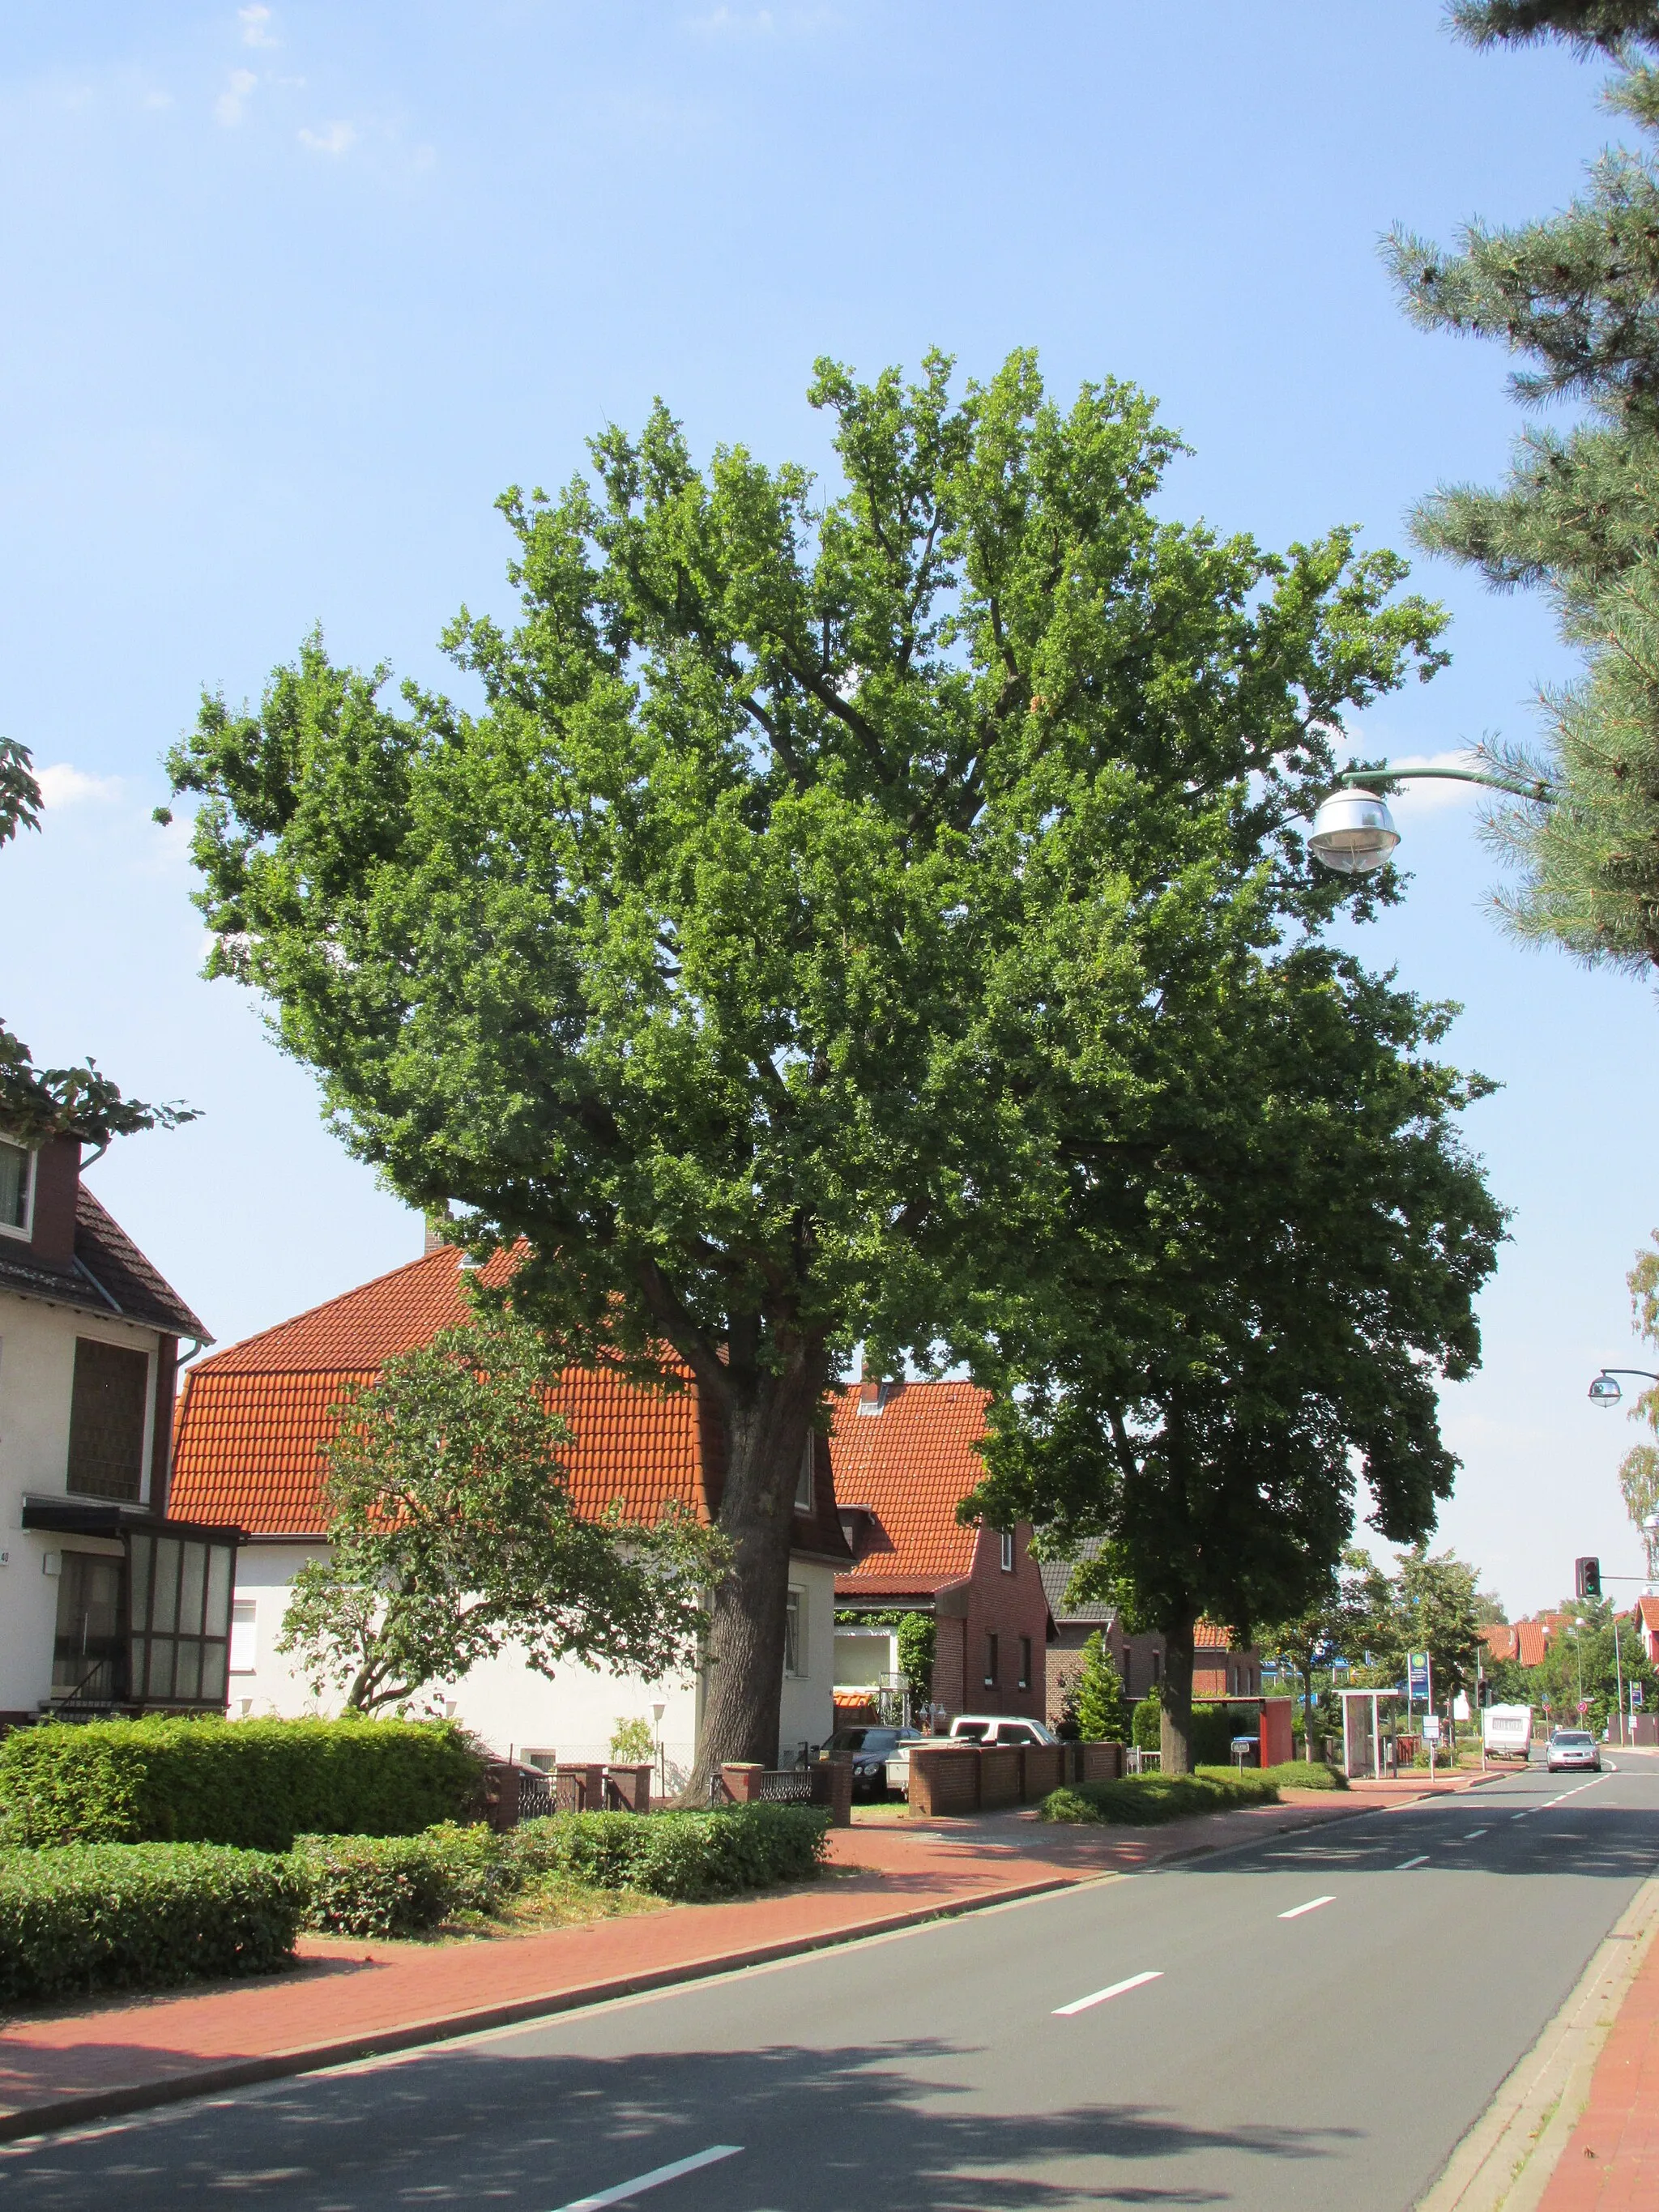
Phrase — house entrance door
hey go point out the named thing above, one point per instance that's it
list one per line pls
(89, 1649)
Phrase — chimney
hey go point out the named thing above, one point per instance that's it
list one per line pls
(436, 1223)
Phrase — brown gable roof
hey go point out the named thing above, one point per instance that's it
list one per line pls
(110, 1275)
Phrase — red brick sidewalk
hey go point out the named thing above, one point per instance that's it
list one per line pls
(345, 2000)
(1611, 2163)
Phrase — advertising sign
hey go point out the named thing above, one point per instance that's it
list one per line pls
(1637, 1697)
(1416, 1673)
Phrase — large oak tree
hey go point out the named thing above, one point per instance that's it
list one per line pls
(737, 951)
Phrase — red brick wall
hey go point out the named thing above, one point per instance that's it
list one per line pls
(948, 1670)
(1008, 1606)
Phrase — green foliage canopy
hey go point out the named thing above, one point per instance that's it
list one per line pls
(748, 952)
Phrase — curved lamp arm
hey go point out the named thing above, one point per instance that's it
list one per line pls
(1538, 788)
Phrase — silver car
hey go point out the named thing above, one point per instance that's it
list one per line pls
(1571, 1748)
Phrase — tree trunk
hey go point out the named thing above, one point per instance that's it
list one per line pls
(1308, 1710)
(1175, 1697)
(766, 1419)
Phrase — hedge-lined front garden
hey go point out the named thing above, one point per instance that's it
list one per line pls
(140, 1916)
(143, 1916)
(256, 1784)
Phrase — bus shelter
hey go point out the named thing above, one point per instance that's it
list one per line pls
(1367, 1750)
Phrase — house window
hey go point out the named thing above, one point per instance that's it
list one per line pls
(990, 1662)
(106, 1421)
(1007, 1551)
(804, 1480)
(1024, 1663)
(181, 1601)
(16, 1188)
(244, 1631)
(1155, 1658)
(795, 1633)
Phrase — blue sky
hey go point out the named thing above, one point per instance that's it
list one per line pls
(292, 292)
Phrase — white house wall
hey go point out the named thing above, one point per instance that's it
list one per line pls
(517, 1711)
(37, 1381)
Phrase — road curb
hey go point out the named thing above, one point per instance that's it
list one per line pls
(22, 2121)
(1505, 2162)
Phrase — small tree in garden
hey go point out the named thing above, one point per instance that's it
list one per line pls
(917, 1639)
(632, 1741)
(1102, 1711)
(451, 1533)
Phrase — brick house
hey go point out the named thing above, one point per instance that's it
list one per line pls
(1645, 1615)
(107, 1604)
(251, 1425)
(905, 1454)
(1221, 1668)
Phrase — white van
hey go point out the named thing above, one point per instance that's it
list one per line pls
(1506, 1731)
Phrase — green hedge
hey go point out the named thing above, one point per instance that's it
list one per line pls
(254, 1783)
(110, 1915)
(679, 1854)
(407, 1885)
(1145, 1801)
(1292, 1774)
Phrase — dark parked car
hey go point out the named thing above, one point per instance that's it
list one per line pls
(871, 1749)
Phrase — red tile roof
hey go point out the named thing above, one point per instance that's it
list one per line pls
(909, 1465)
(253, 1418)
(1498, 1637)
(1648, 1608)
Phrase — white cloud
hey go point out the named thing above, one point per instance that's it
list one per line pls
(1434, 795)
(334, 138)
(733, 22)
(232, 102)
(63, 785)
(255, 27)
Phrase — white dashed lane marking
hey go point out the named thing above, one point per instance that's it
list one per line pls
(1100, 1997)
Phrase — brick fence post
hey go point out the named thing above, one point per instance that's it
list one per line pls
(631, 1786)
(501, 1794)
(741, 1780)
(832, 1785)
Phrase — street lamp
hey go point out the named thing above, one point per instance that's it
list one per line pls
(1353, 832)
(1604, 1391)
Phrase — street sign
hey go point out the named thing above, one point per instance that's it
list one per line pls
(1416, 1673)
(1637, 1697)
(1431, 1728)
(1584, 1704)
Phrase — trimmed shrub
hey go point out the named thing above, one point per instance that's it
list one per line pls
(403, 1884)
(678, 1854)
(110, 1915)
(1214, 1727)
(1145, 1801)
(254, 1783)
(1304, 1774)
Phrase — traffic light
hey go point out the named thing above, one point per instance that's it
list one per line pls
(1586, 1577)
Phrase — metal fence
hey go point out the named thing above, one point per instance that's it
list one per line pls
(773, 1785)
(536, 1795)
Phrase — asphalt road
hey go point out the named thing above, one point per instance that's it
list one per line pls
(1311, 2023)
